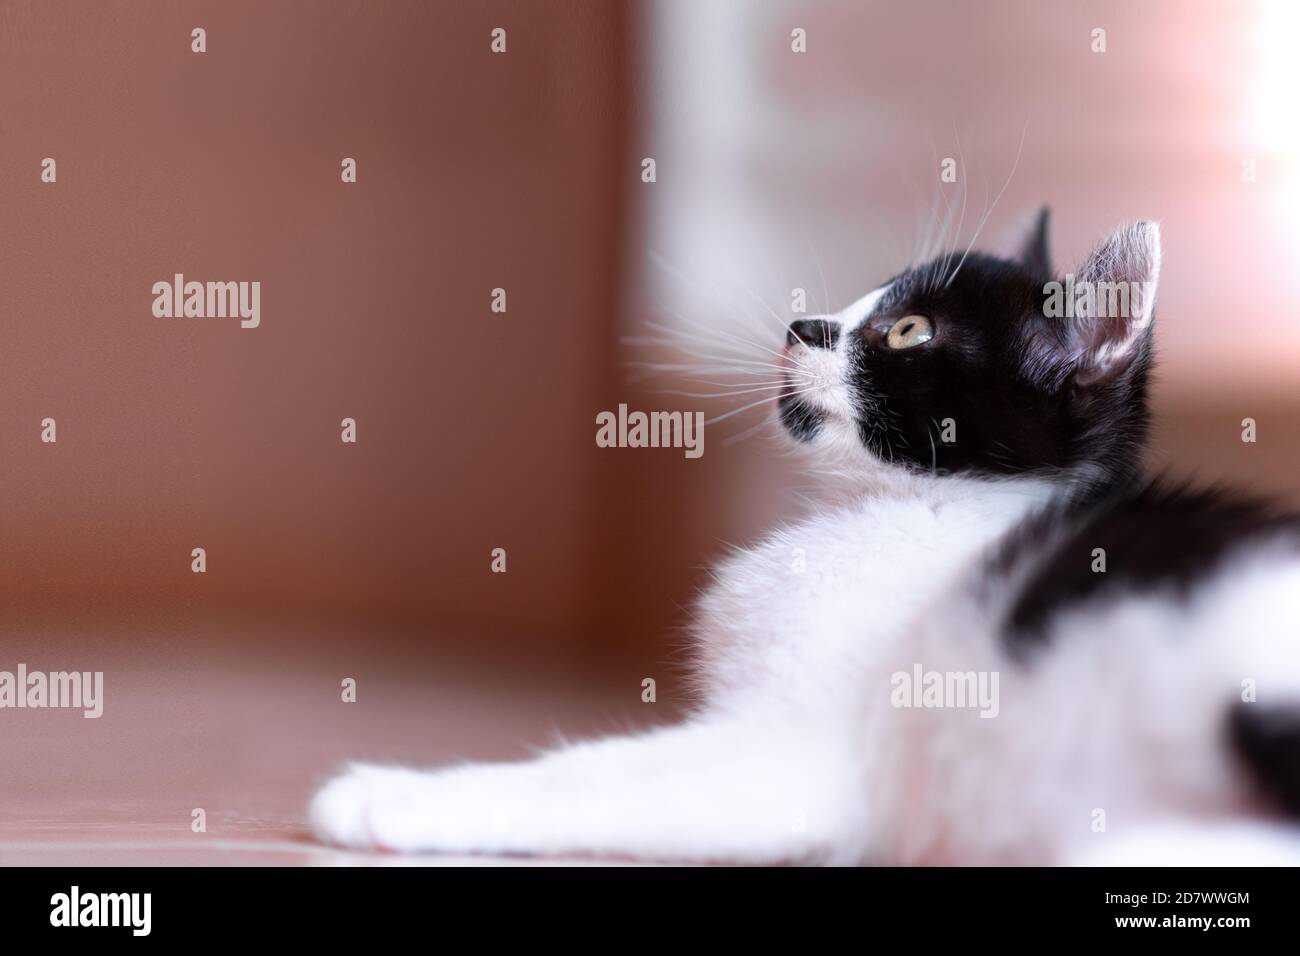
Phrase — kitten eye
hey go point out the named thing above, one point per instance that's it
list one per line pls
(908, 331)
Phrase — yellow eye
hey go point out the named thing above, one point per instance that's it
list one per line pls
(908, 331)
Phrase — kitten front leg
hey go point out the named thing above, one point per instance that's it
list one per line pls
(701, 791)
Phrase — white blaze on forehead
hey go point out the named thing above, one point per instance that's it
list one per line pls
(863, 309)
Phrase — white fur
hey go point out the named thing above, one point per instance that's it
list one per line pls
(1237, 843)
(772, 767)
(798, 753)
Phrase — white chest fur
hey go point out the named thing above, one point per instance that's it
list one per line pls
(800, 614)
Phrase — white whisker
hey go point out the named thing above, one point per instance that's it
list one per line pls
(747, 391)
(989, 211)
(755, 404)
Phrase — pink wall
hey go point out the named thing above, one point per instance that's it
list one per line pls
(476, 430)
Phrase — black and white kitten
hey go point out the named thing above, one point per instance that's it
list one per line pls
(1004, 646)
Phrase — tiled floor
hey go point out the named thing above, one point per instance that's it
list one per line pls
(245, 727)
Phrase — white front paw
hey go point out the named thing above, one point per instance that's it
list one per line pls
(465, 809)
(357, 808)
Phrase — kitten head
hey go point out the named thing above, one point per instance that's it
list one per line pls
(977, 365)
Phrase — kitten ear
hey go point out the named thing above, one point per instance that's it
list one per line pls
(1115, 297)
(1035, 254)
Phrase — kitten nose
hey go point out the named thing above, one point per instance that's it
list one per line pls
(815, 333)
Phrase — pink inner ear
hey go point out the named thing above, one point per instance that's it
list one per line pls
(1117, 287)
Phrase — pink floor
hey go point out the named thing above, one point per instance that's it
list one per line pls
(244, 725)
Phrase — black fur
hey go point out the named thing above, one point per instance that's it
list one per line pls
(1035, 253)
(1032, 394)
(1155, 537)
(802, 421)
(1008, 419)
(1267, 737)
(997, 367)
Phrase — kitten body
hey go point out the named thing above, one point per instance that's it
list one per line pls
(932, 669)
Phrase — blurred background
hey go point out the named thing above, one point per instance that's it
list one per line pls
(521, 170)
